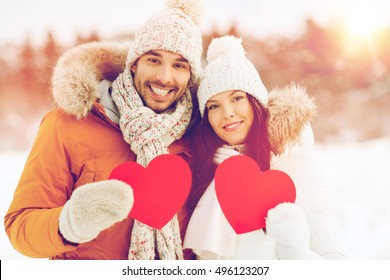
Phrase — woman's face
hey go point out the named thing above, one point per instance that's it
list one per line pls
(231, 116)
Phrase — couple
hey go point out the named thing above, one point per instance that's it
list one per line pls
(66, 208)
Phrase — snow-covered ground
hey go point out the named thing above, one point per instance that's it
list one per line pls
(11, 166)
(358, 170)
(360, 174)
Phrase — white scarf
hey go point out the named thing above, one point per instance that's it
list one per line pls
(149, 135)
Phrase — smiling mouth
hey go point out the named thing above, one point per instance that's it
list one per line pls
(159, 91)
(232, 126)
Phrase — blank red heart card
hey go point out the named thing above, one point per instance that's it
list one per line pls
(160, 189)
(246, 194)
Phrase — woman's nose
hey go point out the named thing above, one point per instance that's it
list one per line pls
(228, 111)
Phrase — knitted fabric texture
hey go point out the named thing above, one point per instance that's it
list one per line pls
(175, 30)
(229, 69)
(149, 135)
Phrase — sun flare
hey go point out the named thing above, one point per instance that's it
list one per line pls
(362, 21)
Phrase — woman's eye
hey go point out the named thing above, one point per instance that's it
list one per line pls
(212, 107)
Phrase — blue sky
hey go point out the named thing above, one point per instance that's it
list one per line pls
(21, 18)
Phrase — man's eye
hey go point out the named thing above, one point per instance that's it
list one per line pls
(153, 60)
(181, 66)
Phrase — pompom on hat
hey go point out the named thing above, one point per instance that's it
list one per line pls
(229, 69)
(176, 29)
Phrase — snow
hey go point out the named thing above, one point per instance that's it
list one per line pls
(358, 170)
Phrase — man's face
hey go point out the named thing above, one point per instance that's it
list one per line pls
(161, 78)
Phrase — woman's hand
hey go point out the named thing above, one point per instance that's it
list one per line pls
(287, 224)
(223, 153)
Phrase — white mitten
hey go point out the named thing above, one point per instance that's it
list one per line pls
(287, 224)
(223, 153)
(95, 207)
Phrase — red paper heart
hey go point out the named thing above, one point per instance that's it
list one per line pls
(160, 189)
(246, 194)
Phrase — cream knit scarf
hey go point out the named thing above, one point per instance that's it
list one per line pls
(149, 135)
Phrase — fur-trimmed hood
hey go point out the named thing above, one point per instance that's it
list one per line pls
(290, 111)
(78, 72)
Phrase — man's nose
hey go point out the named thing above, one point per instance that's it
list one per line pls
(164, 75)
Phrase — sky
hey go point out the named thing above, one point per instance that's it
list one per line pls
(21, 18)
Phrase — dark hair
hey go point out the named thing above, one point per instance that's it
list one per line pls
(205, 141)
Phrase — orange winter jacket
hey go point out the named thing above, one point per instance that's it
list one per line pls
(66, 155)
(77, 143)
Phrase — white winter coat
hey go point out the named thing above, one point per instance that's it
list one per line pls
(210, 235)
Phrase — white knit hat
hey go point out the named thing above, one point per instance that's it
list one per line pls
(175, 29)
(229, 69)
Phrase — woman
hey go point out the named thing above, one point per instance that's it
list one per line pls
(239, 117)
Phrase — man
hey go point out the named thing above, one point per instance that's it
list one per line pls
(64, 206)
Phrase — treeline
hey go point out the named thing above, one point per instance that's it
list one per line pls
(348, 77)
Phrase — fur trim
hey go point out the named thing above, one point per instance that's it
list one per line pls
(77, 74)
(290, 109)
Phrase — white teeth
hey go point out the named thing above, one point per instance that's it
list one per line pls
(159, 91)
(233, 125)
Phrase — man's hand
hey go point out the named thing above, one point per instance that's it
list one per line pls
(95, 207)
